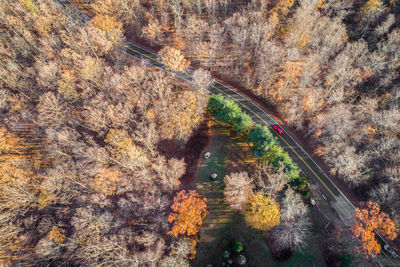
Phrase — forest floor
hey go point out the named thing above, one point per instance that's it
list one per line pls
(231, 153)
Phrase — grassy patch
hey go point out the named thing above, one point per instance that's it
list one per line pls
(232, 154)
(224, 225)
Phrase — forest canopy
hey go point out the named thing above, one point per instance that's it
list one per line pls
(83, 176)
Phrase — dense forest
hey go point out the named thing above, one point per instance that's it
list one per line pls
(84, 179)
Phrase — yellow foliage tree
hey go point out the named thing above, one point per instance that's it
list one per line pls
(124, 145)
(262, 212)
(10, 171)
(57, 234)
(173, 59)
(91, 69)
(280, 11)
(184, 116)
(321, 3)
(43, 25)
(29, 5)
(178, 42)
(283, 6)
(111, 28)
(372, 6)
(46, 198)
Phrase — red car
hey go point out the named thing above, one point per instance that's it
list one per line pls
(277, 129)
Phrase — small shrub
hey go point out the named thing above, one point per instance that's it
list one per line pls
(304, 192)
(298, 182)
(237, 246)
(226, 254)
(241, 259)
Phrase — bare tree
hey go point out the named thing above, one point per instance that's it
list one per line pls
(332, 122)
(385, 195)
(147, 135)
(173, 59)
(267, 64)
(194, 33)
(259, 30)
(269, 179)
(169, 172)
(177, 11)
(328, 37)
(4, 96)
(59, 186)
(180, 250)
(216, 40)
(51, 112)
(304, 18)
(292, 234)
(391, 62)
(384, 26)
(351, 166)
(295, 225)
(237, 188)
(211, 6)
(47, 73)
(47, 250)
(201, 79)
(292, 206)
(199, 7)
(237, 26)
(152, 31)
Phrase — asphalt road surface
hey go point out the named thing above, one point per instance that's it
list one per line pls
(329, 191)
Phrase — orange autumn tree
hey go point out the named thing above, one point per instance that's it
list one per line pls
(188, 213)
(370, 219)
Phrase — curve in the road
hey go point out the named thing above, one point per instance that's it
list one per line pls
(339, 201)
(254, 113)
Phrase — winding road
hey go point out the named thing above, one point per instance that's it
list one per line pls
(315, 175)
